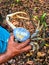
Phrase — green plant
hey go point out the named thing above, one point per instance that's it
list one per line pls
(17, 1)
(42, 19)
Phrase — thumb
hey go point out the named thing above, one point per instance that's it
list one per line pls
(12, 37)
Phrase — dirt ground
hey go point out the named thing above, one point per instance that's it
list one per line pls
(32, 8)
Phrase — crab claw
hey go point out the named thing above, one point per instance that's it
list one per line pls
(15, 15)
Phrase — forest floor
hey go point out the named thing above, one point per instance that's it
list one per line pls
(32, 8)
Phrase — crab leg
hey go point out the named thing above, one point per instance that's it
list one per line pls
(11, 15)
(35, 45)
(22, 17)
(38, 29)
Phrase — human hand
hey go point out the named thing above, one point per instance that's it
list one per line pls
(13, 49)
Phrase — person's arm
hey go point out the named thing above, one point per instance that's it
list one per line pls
(14, 49)
(4, 36)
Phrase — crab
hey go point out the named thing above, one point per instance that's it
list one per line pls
(35, 35)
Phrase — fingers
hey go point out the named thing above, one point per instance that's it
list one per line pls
(27, 48)
(23, 44)
(11, 40)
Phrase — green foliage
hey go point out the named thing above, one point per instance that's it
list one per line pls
(42, 19)
(36, 17)
(17, 1)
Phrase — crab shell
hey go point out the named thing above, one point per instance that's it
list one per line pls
(21, 34)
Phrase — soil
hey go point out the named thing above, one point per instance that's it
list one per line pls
(32, 8)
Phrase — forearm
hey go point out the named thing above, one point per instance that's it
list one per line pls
(4, 57)
(7, 56)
